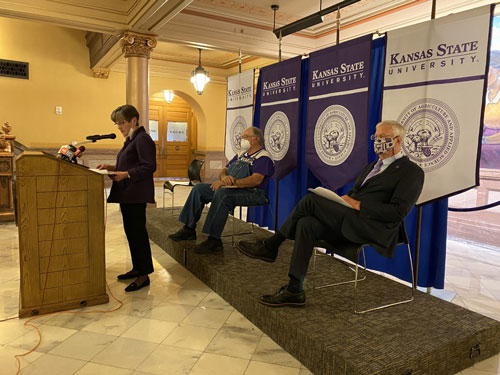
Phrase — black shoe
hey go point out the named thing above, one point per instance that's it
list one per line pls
(210, 245)
(183, 234)
(134, 286)
(257, 250)
(128, 275)
(284, 297)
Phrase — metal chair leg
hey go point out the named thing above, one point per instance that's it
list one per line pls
(354, 270)
(390, 304)
(172, 202)
(232, 234)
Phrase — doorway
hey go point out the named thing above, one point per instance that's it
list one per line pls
(173, 127)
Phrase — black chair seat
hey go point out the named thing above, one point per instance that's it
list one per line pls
(194, 175)
(170, 185)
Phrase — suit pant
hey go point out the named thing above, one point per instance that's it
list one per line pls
(134, 223)
(314, 218)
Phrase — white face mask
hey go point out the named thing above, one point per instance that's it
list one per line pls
(383, 145)
(130, 132)
(245, 145)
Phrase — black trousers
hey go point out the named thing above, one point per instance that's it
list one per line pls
(314, 218)
(134, 223)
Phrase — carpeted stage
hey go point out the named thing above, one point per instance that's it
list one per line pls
(426, 336)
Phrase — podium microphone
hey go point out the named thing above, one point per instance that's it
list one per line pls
(70, 153)
(66, 152)
(98, 137)
(79, 152)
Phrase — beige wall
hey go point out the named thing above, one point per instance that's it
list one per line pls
(60, 76)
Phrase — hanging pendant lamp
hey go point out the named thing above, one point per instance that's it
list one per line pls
(168, 95)
(199, 77)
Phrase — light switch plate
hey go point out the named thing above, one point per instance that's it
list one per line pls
(58, 110)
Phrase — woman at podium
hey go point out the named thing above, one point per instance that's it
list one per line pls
(133, 188)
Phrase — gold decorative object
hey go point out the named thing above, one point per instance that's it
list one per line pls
(6, 128)
(137, 45)
(6, 173)
(6, 139)
(100, 73)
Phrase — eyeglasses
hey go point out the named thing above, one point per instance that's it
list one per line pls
(247, 136)
(381, 136)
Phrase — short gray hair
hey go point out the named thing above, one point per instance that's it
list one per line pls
(258, 133)
(398, 129)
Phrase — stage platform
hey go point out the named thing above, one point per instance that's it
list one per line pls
(427, 336)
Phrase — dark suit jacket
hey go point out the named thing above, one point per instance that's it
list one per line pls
(138, 158)
(386, 199)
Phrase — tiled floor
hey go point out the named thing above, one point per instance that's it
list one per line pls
(178, 325)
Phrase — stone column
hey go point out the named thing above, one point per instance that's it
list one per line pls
(137, 49)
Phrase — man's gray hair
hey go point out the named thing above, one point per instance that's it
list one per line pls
(258, 133)
(397, 129)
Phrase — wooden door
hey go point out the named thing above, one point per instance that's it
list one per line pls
(157, 132)
(176, 135)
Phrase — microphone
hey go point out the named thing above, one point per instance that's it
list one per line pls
(98, 137)
(66, 152)
(70, 153)
(79, 152)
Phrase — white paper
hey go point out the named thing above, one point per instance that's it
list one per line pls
(101, 171)
(328, 194)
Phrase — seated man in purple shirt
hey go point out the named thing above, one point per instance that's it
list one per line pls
(243, 182)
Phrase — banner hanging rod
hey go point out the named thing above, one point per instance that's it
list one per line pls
(311, 20)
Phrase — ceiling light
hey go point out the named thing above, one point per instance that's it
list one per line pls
(199, 77)
(168, 95)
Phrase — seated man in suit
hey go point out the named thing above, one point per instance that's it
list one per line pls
(382, 196)
(249, 172)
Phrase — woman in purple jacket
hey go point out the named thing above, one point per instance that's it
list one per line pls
(133, 188)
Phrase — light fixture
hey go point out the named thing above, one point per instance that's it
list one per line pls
(310, 20)
(199, 77)
(168, 95)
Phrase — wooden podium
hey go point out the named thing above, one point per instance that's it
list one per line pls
(61, 235)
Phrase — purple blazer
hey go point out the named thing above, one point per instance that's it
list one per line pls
(138, 158)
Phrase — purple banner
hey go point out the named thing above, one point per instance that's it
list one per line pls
(337, 112)
(279, 113)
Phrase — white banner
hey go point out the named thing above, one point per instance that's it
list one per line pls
(434, 85)
(239, 110)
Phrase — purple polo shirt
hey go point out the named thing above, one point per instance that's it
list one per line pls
(263, 165)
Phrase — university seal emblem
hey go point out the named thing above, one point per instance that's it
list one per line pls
(237, 127)
(432, 133)
(334, 135)
(277, 135)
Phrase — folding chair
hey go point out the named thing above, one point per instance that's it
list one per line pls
(360, 250)
(193, 171)
(268, 204)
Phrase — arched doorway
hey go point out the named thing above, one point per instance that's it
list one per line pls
(173, 126)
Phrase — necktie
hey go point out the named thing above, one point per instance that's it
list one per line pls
(374, 171)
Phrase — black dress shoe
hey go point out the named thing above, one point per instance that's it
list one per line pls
(284, 297)
(183, 234)
(128, 275)
(210, 245)
(257, 250)
(134, 286)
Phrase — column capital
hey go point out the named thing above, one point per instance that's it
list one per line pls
(137, 45)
